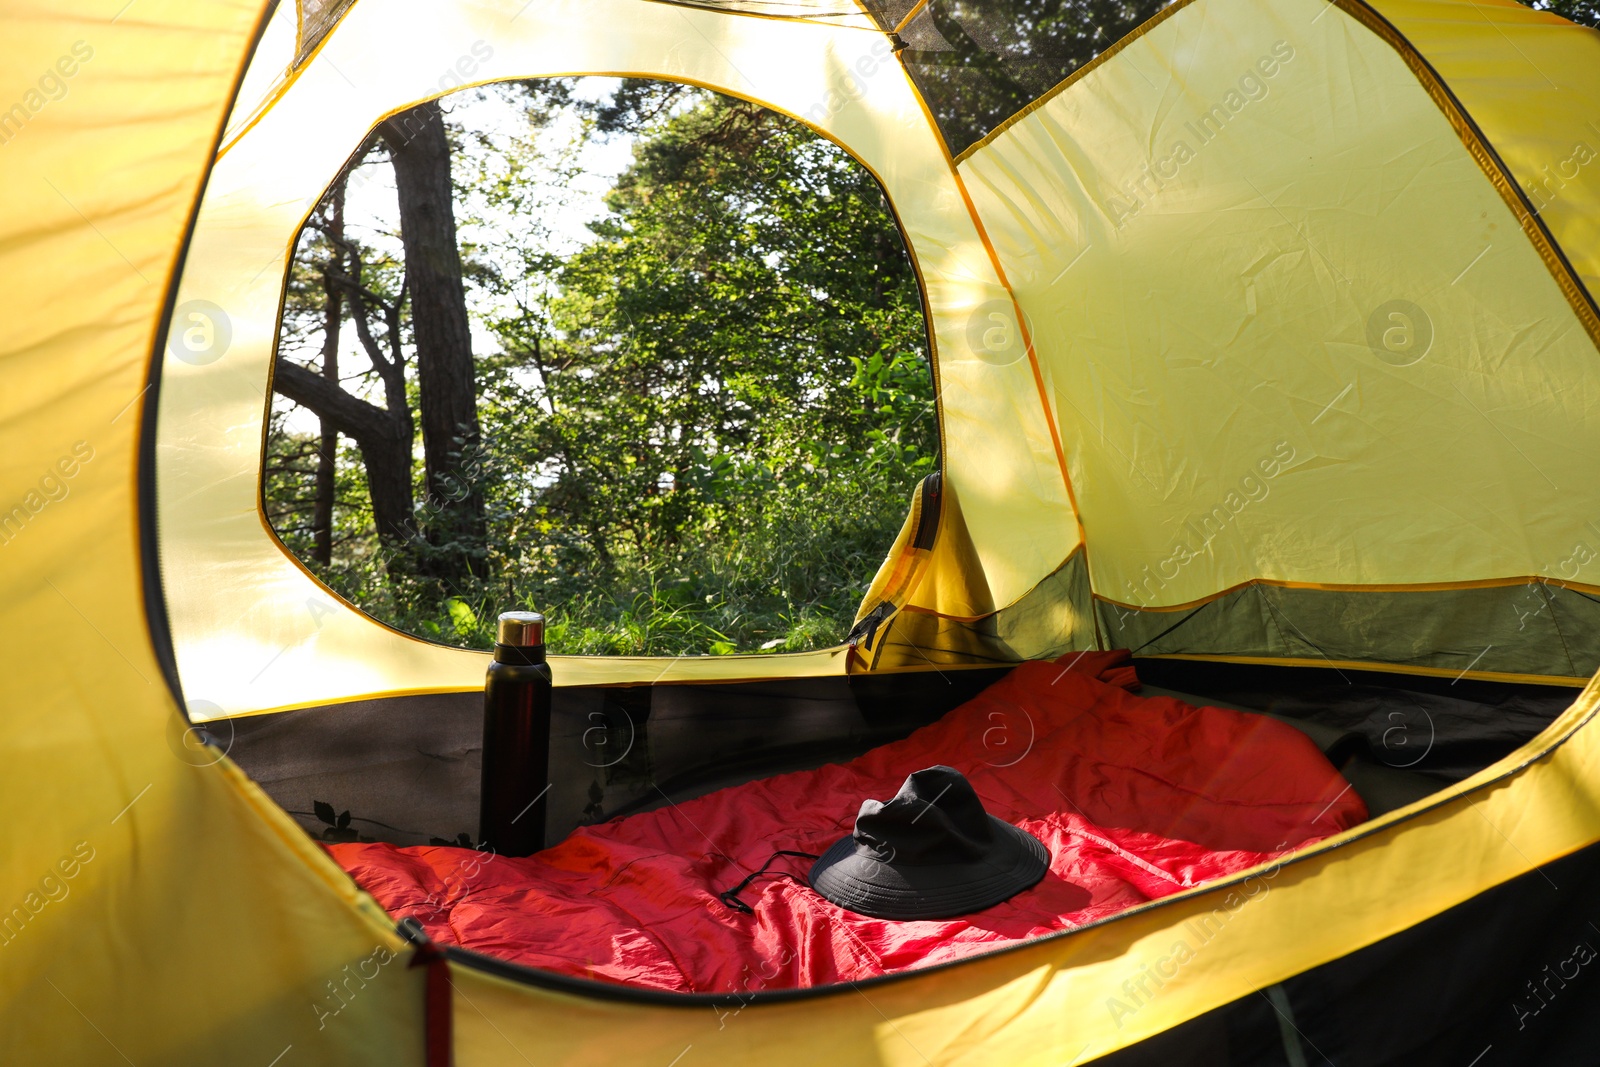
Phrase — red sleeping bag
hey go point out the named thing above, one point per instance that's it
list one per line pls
(1134, 798)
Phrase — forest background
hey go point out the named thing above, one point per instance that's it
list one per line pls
(681, 412)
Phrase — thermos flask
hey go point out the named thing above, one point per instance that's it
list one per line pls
(516, 738)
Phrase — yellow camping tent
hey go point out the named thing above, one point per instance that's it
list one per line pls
(1267, 335)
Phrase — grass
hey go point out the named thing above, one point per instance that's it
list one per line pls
(787, 578)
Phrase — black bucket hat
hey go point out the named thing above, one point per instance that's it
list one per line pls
(930, 853)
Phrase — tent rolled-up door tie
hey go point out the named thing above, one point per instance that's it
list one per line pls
(928, 506)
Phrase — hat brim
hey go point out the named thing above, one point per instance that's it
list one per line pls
(869, 886)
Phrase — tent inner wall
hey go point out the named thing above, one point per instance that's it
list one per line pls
(407, 768)
(1534, 629)
(1295, 333)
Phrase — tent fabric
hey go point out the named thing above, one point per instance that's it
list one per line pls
(200, 891)
(1055, 616)
(1081, 363)
(1293, 153)
(1536, 131)
(1522, 631)
(1134, 798)
(155, 907)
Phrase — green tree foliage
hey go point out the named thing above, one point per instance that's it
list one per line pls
(700, 430)
(977, 62)
(1583, 12)
(725, 402)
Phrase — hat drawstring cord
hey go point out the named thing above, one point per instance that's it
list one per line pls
(730, 897)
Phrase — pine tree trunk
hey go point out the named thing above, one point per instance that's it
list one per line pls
(454, 516)
(328, 447)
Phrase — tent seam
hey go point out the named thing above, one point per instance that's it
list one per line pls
(1051, 422)
(1488, 159)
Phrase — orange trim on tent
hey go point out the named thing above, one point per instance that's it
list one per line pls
(1022, 324)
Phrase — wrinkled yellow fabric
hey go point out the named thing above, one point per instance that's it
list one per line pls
(1293, 330)
(155, 908)
(1531, 82)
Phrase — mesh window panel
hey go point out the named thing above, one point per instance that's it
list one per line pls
(317, 18)
(890, 13)
(978, 62)
(822, 10)
(1537, 628)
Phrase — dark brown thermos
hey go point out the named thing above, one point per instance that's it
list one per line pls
(516, 738)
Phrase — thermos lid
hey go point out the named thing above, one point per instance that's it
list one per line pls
(521, 629)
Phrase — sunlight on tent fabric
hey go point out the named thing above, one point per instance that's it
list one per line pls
(1212, 344)
(1557, 74)
(269, 68)
(98, 190)
(909, 1039)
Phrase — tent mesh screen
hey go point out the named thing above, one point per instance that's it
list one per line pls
(317, 19)
(789, 9)
(978, 62)
(1536, 628)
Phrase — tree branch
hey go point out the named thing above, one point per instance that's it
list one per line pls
(350, 415)
(359, 298)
